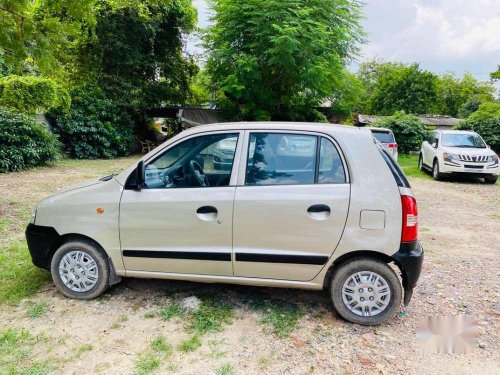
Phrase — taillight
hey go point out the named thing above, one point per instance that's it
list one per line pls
(410, 219)
(392, 145)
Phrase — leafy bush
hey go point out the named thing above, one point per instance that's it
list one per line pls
(408, 130)
(24, 143)
(95, 127)
(27, 94)
(486, 122)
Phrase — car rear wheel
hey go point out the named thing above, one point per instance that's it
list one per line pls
(80, 270)
(365, 291)
(491, 179)
(435, 171)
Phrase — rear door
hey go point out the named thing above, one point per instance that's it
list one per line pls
(290, 206)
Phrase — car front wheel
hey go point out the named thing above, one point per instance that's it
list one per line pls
(365, 291)
(435, 171)
(80, 270)
(420, 163)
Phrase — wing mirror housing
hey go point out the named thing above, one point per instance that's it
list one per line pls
(434, 145)
(140, 175)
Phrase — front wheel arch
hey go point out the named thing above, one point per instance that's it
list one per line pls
(70, 237)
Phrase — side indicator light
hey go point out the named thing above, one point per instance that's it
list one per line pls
(100, 210)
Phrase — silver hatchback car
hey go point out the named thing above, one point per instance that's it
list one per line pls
(296, 205)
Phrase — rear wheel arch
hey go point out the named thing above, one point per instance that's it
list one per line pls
(359, 254)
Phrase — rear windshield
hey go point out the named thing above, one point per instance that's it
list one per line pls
(383, 136)
(398, 174)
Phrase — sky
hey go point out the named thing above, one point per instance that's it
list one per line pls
(442, 35)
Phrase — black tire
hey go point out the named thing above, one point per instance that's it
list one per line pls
(435, 171)
(491, 179)
(346, 270)
(421, 163)
(96, 254)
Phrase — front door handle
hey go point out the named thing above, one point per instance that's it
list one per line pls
(207, 213)
(318, 208)
(206, 210)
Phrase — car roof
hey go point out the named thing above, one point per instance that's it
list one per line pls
(379, 129)
(275, 125)
(446, 131)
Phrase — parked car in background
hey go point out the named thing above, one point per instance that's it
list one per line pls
(386, 138)
(295, 208)
(458, 152)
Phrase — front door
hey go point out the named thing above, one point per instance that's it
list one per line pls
(290, 206)
(181, 220)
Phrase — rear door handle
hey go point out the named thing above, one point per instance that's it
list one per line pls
(203, 210)
(318, 208)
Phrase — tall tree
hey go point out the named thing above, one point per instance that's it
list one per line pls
(134, 52)
(278, 59)
(36, 33)
(392, 87)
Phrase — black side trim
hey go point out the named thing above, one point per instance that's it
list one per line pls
(40, 240)
(409, 259)
(279, 258)
(177, 255)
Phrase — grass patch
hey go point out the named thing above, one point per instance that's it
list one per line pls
(225, 369)
(147, 363)
(160, 345)
(149, 315)
(16, 353)
(191, 344)
(210, 317)
(170, 311)
(282, 317)
(494, 216)
(82, 349)
(409, 165)
(37, 310)
(18, 276)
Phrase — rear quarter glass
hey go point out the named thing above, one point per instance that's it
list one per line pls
(384, 137)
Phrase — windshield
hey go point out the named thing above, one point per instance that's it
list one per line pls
(383, 137)
(462, 140)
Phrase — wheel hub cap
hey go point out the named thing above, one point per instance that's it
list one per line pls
(78, 271)
(366, 293)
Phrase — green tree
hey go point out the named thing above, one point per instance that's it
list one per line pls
(36, 34)
(408, 130)
(486, 122)
(29, 94)
(391, 87)
(278, 59)
(496, 74)
(456, 97)
(134, 51)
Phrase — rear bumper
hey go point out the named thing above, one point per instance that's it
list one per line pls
(409, 259)
(40, 243)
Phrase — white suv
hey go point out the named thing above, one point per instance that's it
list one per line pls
(456, 152)
(307, 206)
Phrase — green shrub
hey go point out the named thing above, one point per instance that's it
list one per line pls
(486, 122)
(408, 130)
(28, 94)
(24, 143)
(95, 127)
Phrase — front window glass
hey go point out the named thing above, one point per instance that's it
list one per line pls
(204, 161)
(331, 169)
(281, 159)
(462, 140)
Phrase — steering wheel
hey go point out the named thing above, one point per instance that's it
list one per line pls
(197, 172)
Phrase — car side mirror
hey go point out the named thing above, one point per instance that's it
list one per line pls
(140, 175)
(488, 146)
(434, 145)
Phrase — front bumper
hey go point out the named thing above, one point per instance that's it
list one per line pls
(41, 240)
(409, 259)
(480, 170)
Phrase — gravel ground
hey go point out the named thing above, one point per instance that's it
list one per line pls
(460, 231)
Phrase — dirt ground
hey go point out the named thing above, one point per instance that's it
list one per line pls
(460, 231)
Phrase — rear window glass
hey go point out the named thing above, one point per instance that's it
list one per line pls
(398, 174)
(383, 137)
